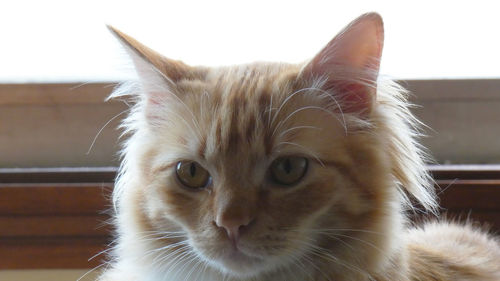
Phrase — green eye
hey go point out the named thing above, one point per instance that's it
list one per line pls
(288, 170)
(192, 174)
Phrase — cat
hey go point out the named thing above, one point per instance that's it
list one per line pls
(283, 172)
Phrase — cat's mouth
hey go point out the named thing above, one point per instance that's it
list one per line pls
(237, 260)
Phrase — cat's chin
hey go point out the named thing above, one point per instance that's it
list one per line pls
(240, 264)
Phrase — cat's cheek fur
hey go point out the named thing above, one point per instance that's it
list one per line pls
(367, 204)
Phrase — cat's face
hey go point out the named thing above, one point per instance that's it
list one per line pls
(252, 164)
(262, 167)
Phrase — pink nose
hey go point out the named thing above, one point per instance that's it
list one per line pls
(233, 226)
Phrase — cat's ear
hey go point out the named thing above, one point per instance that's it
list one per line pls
(156, 72)
(348, 66)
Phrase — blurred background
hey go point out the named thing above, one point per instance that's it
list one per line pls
(59, 139)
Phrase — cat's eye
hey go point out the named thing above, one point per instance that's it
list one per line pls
(192, 175)
(288, 170)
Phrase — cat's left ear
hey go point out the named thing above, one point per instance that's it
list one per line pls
(156, 72)
(348, 66)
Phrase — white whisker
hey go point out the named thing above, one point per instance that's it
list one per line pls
(362, 241)
(285, 102)
(330, 96)
(280, 123)
(102, 128)
(295, 128)
(308, 151)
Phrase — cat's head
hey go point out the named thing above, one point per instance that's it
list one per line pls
(251, 168)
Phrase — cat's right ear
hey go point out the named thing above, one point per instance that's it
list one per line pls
(157, 73)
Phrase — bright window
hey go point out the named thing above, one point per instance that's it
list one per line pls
(67, 40)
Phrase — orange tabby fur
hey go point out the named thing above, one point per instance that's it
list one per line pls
(344, 221)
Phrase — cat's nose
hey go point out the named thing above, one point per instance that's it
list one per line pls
(234, 226)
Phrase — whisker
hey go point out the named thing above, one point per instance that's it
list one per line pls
(304, 148)
(202, 272)
(196, 132)
(280, 123)
(311, 262)
(362, 241)
(175, 262)
(194, 268)
(326, 254)
(270, 111)
(335, 259)
(287, 99)
(297, 260)
(306, 90)
(79, 85)
(352, 230)
(195, 121)
(92, 270)
(338, 239)
(295, 128)
(102, 128)
(334, 230)
(194, 258)
(330, 96)
(100, 253)
(171, 246)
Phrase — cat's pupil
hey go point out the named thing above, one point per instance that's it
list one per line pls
(288, 166)
(192, 169)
